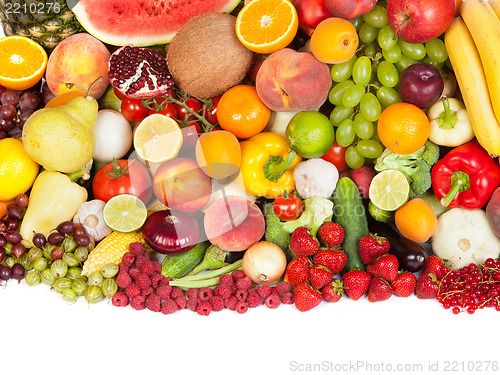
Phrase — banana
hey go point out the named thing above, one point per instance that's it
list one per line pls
(468, 69)
(495, 4)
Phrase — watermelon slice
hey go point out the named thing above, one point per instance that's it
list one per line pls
(141, 22)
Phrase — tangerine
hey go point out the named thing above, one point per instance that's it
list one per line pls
(416, 220)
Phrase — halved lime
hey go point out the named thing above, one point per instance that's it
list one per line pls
(389, 190)
(125, 213)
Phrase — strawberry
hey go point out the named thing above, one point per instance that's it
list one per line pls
(333, 259)
(330, 234)
(379, 290)
(372, 246)
(404, 284)
(302, 243)
(306, 297)
(356, 283)
(427, 286)
(435, 265)
(386, 267)
(319, 276)
(333, 291)
(297, 271)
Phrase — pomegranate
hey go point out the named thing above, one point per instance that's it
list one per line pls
(139, 73)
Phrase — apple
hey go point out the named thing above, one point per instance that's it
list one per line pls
(418, 21)
(421, 84)
(181, 185)
(311, 13)
(349, 8)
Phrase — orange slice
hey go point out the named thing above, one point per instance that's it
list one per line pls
(23, 62)
(266, 26)
(157, 138)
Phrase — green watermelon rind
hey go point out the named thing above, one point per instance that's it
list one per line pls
(95, 20)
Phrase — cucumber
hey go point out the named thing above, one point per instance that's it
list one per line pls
(350, 213)
(178, 265)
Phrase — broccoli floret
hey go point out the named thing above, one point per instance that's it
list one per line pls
(415, 166)
(274, 231)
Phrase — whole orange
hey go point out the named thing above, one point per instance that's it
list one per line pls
(416, 220)
(241, 112)
(403, 128)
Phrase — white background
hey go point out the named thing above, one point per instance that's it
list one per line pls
(45, 335)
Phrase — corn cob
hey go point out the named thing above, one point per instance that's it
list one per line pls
(110, 249)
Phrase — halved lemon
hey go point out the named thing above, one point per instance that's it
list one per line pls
(157, 138)
(266, 26)
(389, 190)
(23, 62)
(125, 213)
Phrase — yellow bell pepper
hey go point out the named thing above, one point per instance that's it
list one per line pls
(267, 165)
(54, 198)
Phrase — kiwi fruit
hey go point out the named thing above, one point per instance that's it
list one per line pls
(206, 58)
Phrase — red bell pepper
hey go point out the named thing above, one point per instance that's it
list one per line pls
(465, 177)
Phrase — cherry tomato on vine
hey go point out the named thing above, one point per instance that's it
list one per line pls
(133, 110)
(287, 208)
(183, 114)
(211, 115)
(336, 156)
(190, 135)
(168, 110)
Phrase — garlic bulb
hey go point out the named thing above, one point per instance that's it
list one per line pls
(89, 215)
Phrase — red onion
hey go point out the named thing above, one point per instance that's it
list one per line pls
(169, 232)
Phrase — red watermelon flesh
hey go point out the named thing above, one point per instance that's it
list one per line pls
(141, 22)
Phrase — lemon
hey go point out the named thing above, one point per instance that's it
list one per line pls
(389, 190)
(17, 169)
(310, 134)
(125, 213)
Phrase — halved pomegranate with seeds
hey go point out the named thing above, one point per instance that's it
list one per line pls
(139, 73)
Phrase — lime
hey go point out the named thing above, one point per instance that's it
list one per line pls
(389, 190)
(125, 213)
(310, 134)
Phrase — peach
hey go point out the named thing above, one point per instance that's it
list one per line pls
(234, 223)
(76, 63)
(289, 80)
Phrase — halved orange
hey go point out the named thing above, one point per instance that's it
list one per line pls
(23, 62)
(157, 138)
(266, 26)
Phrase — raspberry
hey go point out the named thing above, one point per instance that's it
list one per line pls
(192, 293)
(123, 280)
(287, 298)
(120, 299)
(143, 281)
(148, 268)
(241, 295)
(165, 281)
(274, 290)
(231, 302)
(264, 290)
(163, 291)
(176, 292)
(147, 291)
(123, 267)
(128, 259)
(273, 301)
(155, 280)
(244, 283)
(283, 287)
(241, 307)
(134, 272)
(132, 290)
(204, 308)
(217, 303)
(146, 255)
(223, 291)
(254, 288)
(153, 303)
(192, 303)
(138, 303)
(181, 301)
(204, 294)
(139, 261)
(254, 299)
(237, 274)
(136, 248)
(169, 306)
(225, 279)
(157, 266)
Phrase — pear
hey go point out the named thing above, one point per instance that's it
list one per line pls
(62, 138)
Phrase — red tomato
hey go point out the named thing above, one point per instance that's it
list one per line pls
(168, 110)
(183, 114)
(133, 110)
(287, 208)
(190, 135)
(211, 115)
(336, 156)
(122, 177)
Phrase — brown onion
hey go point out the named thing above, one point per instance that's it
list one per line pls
(264, 262)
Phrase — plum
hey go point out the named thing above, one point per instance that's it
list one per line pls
(493, 211)
(421, 84)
